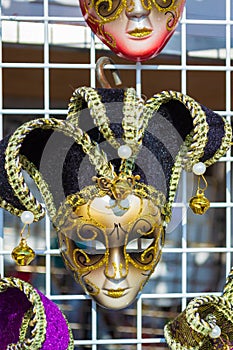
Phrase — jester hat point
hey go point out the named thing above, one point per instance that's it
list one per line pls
(29, 320)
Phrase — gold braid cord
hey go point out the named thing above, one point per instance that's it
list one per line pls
(132, 124)
(175, 177)
(200, 131)
(14, 166)
(192, 328)
(41, 184)
(7, 206)
(98, 113)
(133, 120)
(193, 148)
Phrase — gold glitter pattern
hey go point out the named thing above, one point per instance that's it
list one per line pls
(110, 10)
(78, 260)
(165, 5)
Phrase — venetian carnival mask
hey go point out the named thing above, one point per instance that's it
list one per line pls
(113, 249)
(136, 30)
(117, 161)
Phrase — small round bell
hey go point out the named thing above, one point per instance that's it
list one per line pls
(23, 254)
(199, 203)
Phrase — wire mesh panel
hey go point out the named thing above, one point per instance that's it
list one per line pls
(46, 52)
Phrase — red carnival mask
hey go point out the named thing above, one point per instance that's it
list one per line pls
(134, 29)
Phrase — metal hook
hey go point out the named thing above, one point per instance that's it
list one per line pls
(100, 64)
(199, 189)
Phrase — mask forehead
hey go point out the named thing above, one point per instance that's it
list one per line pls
(116, 219)
(107, 211)
(133, 29)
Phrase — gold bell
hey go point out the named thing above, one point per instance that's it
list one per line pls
(199, 203)
(23, 254)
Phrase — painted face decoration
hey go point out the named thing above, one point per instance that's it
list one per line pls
(134, 29)
(112, 247)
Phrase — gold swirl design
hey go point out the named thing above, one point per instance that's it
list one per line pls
(172, 19)
(148, 259)
(165, 5)
(107, 10)
(86, 283)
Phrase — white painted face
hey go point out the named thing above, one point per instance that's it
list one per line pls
(112, 247)
(138, 29)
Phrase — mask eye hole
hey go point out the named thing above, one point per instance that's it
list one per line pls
(93, 247)
(107, 8)
(91, 239)
(89, 246)
(139, 244)
(141, 236)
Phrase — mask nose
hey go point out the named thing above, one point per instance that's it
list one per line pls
(116, 267)
(137, 10)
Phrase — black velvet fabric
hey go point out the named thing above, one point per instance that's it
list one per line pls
(215, 133)
(67, 169)
(6, 191)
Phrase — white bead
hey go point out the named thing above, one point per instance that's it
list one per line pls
(124, 152)
(27, 217)
(215, 332)
(199, 168)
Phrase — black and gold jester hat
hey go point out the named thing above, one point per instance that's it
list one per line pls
(124, 143)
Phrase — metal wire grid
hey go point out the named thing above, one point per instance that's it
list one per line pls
(138, 342)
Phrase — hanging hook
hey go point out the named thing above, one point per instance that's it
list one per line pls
(100, 64)
(199, 188)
